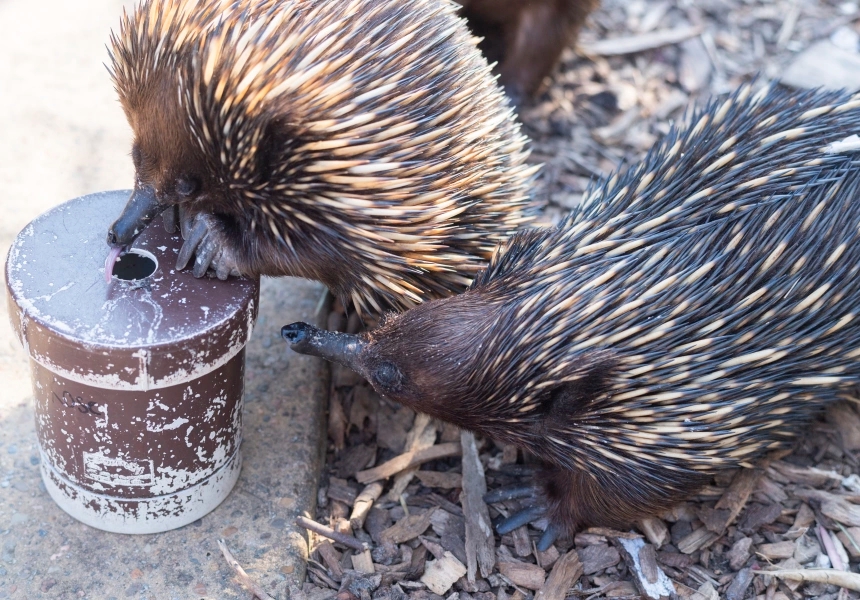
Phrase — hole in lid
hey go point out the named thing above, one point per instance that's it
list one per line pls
(134, 265)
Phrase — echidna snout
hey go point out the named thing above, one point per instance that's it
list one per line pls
(142, 207)
(351, 351)
(296, 333)
(342, 348)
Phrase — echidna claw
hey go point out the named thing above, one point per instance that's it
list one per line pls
(203, 236)
(206, 251)
(170, 218)
(550, 535)
(192, 240)
(524, 517)
(510, 493)
(186, 221)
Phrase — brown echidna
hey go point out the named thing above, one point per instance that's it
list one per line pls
(526, 37)
(686, 318)
(361, 143)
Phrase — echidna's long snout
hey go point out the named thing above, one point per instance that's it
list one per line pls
(141, 208)
(341, 348)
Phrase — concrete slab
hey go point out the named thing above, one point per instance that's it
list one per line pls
(62, 134)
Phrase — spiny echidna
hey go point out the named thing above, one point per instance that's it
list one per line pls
(526, 37)
(361, 143)
(686, 318)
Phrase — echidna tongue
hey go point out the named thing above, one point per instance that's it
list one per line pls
(110, 261)
(338, 347)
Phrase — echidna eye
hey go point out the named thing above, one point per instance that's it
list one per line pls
(186, 186)
(388, 376)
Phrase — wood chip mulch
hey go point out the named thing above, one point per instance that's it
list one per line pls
(404, 494)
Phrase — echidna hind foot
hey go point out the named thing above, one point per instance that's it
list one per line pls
(570, 500)
(576, 499)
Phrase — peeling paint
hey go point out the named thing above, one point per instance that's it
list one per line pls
(144, 515)
(138, 391)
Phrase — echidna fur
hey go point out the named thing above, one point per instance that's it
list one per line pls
(689, 317)
(364, 144)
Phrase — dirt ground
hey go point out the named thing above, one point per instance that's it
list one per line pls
(639, 66)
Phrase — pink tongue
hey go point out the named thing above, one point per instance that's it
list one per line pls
(110, 261)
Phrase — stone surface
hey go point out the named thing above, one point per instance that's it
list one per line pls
(64, 135)
(824, 64)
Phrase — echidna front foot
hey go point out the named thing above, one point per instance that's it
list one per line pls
(569, 499)
(537, 510)
(205, 240)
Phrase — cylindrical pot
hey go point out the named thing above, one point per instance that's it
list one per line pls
(138, 383)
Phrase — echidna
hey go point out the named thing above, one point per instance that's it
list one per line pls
(526, 37)
(361, 143)
(688, 317)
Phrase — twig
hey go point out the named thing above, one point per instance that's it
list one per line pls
(844, 579)
(244, 578)
(407, 460)
(363, 503)
(480, 543)
(849, 536)
(637, 43)
(829, 548)
(788, 25)
(421, 436)
(736, 495)
(341, 538)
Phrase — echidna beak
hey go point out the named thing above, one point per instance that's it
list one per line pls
(141, 208)
(341, 348)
